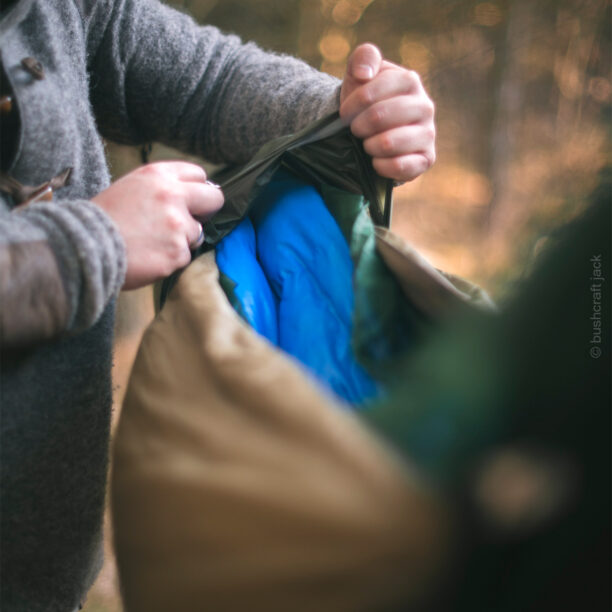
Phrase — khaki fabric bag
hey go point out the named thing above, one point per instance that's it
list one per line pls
(238, 484)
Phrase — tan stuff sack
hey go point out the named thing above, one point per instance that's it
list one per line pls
(239, 484)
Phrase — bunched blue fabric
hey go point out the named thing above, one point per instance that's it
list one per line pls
(291, 279)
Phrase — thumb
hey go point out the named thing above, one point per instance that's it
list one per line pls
(363, 65)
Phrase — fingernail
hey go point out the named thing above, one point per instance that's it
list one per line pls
(363, 71)
(213, 184)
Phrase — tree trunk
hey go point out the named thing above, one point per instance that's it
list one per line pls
(506, 95)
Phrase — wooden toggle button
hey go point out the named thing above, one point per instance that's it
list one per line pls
(34, 67)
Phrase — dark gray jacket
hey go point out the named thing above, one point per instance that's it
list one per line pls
(132, 71)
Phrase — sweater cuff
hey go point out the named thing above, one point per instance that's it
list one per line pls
(332, 104)
(90, 253)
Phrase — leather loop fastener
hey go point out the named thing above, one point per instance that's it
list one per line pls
(27, 194)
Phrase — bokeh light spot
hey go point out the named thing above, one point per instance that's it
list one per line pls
(346, 13)
(334, 47)
(415, 55)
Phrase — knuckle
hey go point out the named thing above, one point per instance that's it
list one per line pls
(415, 78)
(410, 80)
(376, 116)
(407, 168)
(429, 108)
(150, 170)
(173, 220)
(163, 195)
(166, 197)
(365, 96)
(401, 168)
(386, 144)
(391, 168)
(413, 166)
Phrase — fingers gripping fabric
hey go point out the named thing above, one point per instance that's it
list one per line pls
(303, 272)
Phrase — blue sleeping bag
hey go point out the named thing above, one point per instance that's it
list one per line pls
(291, 275)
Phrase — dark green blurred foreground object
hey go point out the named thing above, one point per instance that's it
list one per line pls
(510, 416)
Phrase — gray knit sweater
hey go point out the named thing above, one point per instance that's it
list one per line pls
(132, 71)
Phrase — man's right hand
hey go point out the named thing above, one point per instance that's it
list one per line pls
(154, 208)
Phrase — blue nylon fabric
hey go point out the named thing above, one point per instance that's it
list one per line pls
(236, 258)
(305, 273)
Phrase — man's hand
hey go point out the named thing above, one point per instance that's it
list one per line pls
(388, 108)
(154, 208)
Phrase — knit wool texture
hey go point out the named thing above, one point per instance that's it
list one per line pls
(132, 71)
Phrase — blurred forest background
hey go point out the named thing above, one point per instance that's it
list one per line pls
(522, 92)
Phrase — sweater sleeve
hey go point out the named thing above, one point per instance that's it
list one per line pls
(60, 264)
(158, 76)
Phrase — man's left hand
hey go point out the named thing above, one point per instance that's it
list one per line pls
(387, 106)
